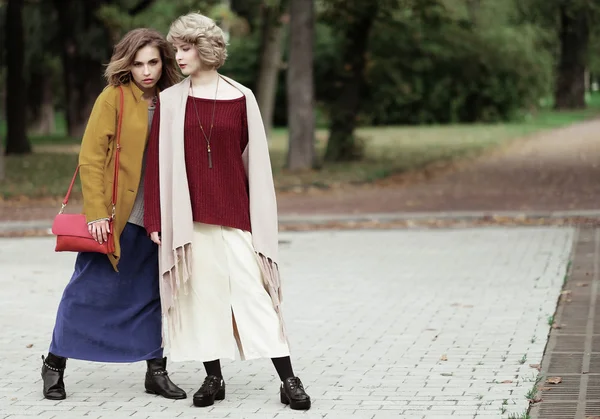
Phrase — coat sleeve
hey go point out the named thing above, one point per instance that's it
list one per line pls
(152, 212)
(99, 131)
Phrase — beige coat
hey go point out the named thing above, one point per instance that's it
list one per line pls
(176, 210)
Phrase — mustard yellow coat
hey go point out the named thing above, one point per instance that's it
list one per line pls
(96, 158)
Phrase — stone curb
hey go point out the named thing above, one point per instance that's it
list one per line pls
(320, 219)
(416, 216)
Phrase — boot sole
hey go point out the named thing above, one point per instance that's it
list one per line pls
(304, 405)
(183, 396)
(206, 403)
(55, 398)
(300, 405)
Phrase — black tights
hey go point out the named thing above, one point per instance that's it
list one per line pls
(282, 365)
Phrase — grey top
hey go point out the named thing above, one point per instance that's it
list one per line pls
(137, 213)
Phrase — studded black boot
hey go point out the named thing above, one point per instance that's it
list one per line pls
(212, 389)
(53, 370)
(158, 381)
(292, 393)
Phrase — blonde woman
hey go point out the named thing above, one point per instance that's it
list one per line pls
(210, 193)
(110, 310)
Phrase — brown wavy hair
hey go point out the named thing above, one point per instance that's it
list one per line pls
(118, 69)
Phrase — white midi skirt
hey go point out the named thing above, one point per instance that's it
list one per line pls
(226, 305)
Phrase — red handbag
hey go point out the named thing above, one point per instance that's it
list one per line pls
(71, 230)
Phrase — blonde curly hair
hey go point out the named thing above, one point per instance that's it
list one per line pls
(202, 32)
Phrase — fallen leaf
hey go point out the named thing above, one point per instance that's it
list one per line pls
(536, 366)
(554, 380)
(557, 326)
(544, 388)
(29, 346)
(444, 358)
(582, 284)
(566, 292)
(507, 382)
(446, 374)
(534, 401)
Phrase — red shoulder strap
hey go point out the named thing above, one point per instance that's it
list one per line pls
(117, 153)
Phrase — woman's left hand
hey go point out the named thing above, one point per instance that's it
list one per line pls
(100, 230)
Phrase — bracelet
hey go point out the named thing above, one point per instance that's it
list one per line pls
(100, 219)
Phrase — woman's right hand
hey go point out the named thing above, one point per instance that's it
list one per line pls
(99, 230)
(155, 237)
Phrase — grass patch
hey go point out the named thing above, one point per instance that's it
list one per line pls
(39, 175)
(388, 151)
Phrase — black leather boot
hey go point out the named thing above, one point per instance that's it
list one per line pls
(53, 371)
(212, 389)
(158, 381)
(292, 393)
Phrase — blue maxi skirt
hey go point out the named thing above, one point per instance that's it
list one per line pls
(110, 316)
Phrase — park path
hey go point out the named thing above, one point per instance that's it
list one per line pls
(550, 171)
(554, 170)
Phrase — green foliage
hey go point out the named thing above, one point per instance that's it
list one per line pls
(158, 16)
(426, 64)
(453, 74)
(428, 61)
(243, 59)
(430, 64)
(545, 15)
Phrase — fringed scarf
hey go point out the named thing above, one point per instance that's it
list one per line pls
(177, 227)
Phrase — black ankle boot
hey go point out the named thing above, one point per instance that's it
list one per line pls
(158, 381)
(53, 371)
(212, 389)
(292, 393)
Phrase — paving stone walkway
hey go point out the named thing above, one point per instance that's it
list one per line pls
(383, 324)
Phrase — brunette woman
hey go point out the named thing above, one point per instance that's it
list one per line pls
(110, 310)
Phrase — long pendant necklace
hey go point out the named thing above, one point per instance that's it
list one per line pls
(212, 122)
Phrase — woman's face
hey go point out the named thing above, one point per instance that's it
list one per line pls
(187, 58)
(147, 67)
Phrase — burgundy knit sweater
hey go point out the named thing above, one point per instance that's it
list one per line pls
(219, 195)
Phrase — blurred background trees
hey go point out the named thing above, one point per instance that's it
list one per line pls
(387, 62)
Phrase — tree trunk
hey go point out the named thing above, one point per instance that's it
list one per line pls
(574, 42)
(226, 24)
(82, 74)
(473, 7)
(351, 81)
(2, 163)
(270, 63)
(41, 106)
(300, 87)
(16, 107)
